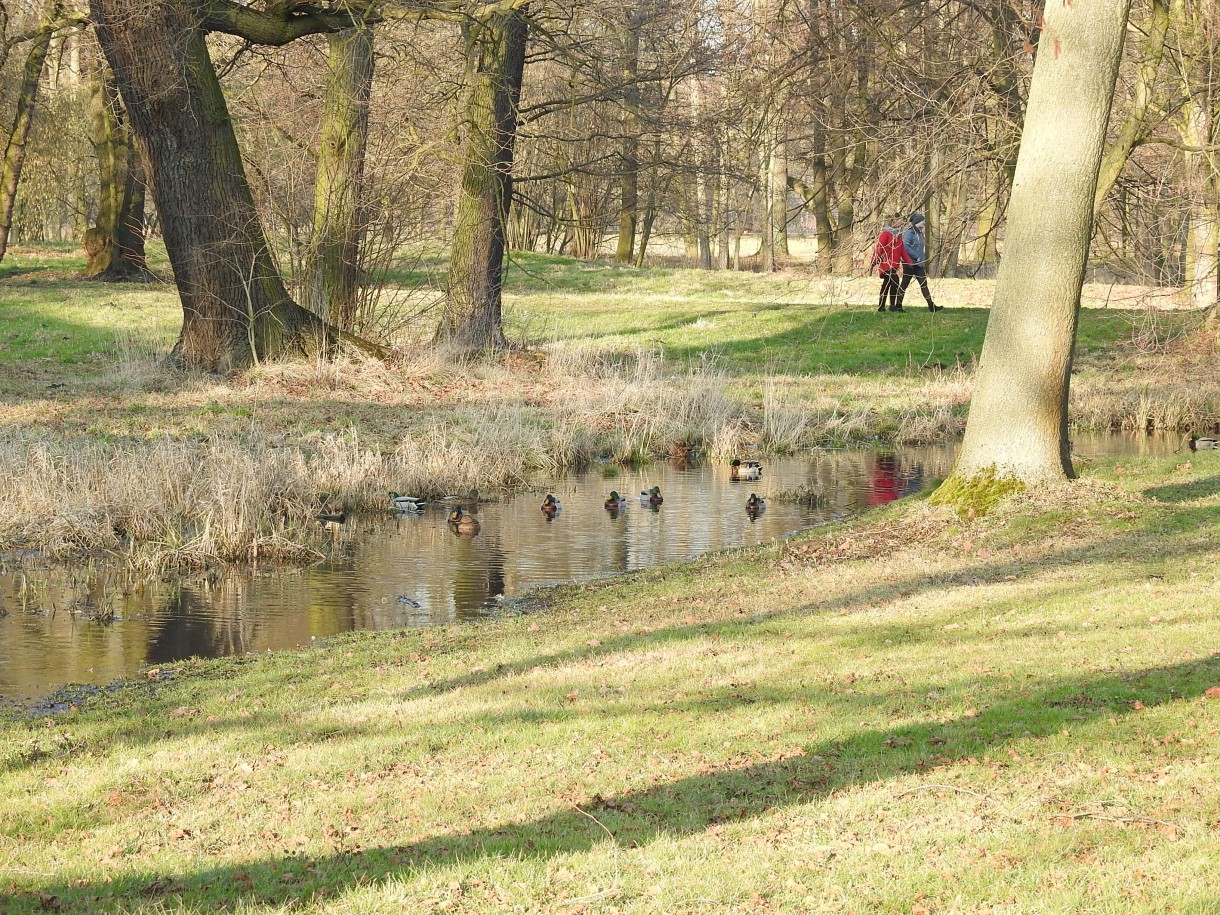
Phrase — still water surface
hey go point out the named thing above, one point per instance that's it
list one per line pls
(411, 570)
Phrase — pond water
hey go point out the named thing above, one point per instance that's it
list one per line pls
(412, 570)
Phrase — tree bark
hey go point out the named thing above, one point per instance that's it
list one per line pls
(1133, 128)
(629, 179)
(1203, 228)
(472, 315)
(115, 244)
(14, 152)
(1018, 422)
(339, 211)
(235, 307)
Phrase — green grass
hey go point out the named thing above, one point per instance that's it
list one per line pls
(791, 324)
(906, 713)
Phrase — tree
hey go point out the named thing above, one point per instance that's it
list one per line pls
(338, 216)
(496, 49)
(236, 309)
(1018, 424)
(27, 98)
(115, 243)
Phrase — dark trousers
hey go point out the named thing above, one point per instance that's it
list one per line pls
(916, 272)
(890, 289)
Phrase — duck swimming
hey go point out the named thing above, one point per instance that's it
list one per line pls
(462, 523)
(615, 502)
(745, 470)
(412, 504)
(755, 504)
(651, 496)
(551, 506)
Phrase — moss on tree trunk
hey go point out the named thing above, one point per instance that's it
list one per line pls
(338, 216)
(115, 243)
(472, 313)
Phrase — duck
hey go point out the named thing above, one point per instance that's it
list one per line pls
(745, 470)
(462, 523)
(651, 496)
(412, 504)
(551, 506)
(614, 502)
(755, 504)
(333, 517)
(1195, 443)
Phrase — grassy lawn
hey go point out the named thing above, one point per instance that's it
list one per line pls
(910, 713)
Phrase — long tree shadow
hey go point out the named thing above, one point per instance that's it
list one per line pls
(733, 790)
(1185, 492)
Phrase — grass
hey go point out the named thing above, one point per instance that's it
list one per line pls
(907, 713)
(622, 364)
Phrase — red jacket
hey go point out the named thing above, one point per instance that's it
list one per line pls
(890, 251)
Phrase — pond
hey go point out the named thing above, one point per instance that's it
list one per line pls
(92, 623)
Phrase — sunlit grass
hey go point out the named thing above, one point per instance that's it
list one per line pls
(908, 712)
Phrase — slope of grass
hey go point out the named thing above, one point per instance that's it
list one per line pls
(911, 713)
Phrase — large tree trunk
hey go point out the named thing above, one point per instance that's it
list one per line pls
(338, 214)
(1018, 421)
(14, 152)
(234, 304)
(115, 245)
(476, 268)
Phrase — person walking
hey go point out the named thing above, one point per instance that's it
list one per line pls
(916, 247)
(889, 257)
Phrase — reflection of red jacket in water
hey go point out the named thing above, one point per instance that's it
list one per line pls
(884, 485)
(890, 251)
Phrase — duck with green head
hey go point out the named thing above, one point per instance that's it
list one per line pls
(462, 523)
(755, 504)
(1195, 443)
(651, 496)
(744, 470)
(412, 504)
(551, 506)
(615, 502)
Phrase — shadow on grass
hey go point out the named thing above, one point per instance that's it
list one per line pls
(1120, 548)
(1185, 492)
(735, 789)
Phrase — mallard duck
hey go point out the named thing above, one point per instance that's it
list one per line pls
(1195, 443)
(462, 523)
(755, 504)
(551, 506)
(412, 504)
(745, 470)
(651, 496)
(615, 502)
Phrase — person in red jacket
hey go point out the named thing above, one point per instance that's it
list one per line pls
(890, 255)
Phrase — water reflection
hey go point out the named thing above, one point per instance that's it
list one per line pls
(91, 623)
